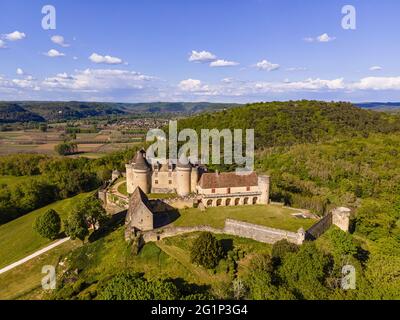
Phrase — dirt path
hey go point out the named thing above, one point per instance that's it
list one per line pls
(34, 255)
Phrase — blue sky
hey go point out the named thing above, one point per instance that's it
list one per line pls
(209, 50)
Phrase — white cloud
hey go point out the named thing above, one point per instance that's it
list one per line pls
(14, 36)
(375, 68)
(97, 58)
(20, 72)
(223, 63)
(53, 53)
(59, 40)
(2, 44)
(75, 58)
(325, 38)
(202, 56)
(377, 83)
(97, 80)
(321, 38)
(266, 65)
(192, 85)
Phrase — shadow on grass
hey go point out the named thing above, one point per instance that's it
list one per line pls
(115, 221)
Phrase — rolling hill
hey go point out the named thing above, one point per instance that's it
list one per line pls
(37, 111)
(288, 123)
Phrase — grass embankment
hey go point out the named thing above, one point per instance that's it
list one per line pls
(24, 281)
(18, 239)
(272, 216)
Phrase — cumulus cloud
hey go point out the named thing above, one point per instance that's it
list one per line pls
(321, 38)
(202, 56)
(59, 40)
(97, 58)
(20, 72)
(192, 85)
(223, 63)
(266, 65)
(377, 83)
(53, 53)
(14, 36)
(97, 80)
(375, 68)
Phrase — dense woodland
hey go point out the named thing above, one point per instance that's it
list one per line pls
(319, 155)
(41, 111)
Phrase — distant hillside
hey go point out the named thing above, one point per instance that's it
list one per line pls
(381, 106)
(52, 111)
(12, 112)
(288, 123)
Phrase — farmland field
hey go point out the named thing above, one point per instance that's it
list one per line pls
(92, 145)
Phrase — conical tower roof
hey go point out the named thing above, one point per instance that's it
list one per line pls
(183, 162)
(140, 163)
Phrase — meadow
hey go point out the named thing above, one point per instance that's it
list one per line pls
(274, 216)
(18, 239)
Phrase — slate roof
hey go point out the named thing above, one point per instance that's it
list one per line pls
(227, 180)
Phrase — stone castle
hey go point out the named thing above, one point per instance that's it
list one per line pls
(185, 179)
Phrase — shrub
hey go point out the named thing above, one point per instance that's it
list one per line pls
(48, 225)
(206, 251)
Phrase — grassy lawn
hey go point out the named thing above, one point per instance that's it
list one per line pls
(24, 281)
(267, 215)
(18, 239)
(122, 189)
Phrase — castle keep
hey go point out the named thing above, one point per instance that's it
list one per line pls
(185, 178)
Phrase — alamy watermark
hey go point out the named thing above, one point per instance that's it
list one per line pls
(349, 20)
(49, 281)
(233, 151)
(49, 20)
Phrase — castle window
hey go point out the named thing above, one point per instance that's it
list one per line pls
(228, 191)
(247, 188)
(212, 190)
(169, 181)
(156, 182)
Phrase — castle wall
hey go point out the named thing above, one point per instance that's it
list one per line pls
(232, 227)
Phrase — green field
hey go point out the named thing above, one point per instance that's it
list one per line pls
(18, 239)
(169, 258)
(273, 216)
(24, 281)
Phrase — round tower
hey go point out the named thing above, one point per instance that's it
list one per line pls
(141, 172)
(193, 179)
(263, 185)
(183, 173)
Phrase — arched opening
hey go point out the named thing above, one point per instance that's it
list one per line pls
(209, 203)
(228, 202)
(219, 202)
(237, 201)
(255, 199)
(246, 200)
